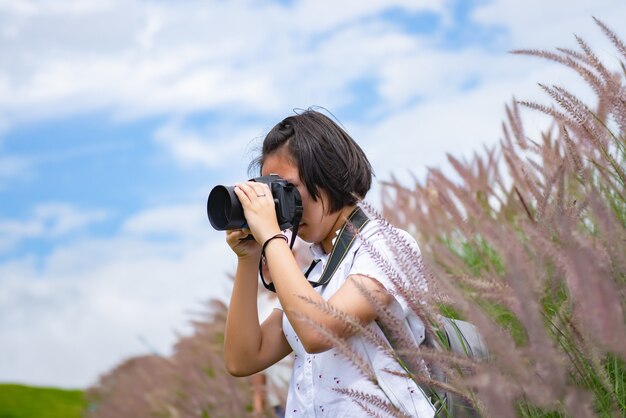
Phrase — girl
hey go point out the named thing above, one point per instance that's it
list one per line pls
(332, 174)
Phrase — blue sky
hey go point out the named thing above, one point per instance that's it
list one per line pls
(117, 118)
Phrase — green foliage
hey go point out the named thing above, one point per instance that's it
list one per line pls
(526, 410)
(535, 245)
(477, 254)
(507, 320)
(19, 401)
(481, 257)
(616, 373)
(210, 372)
(449, 311)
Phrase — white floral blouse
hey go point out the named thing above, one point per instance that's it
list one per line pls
(316, 377)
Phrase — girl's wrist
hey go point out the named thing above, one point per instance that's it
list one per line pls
(249, 258)
(277, 237)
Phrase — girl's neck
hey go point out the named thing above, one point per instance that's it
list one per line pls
(340, 220)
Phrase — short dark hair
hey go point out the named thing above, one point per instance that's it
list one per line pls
(326, 156)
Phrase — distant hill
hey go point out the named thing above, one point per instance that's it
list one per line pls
(19, 401)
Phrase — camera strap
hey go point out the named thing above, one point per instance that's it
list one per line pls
(347, 235)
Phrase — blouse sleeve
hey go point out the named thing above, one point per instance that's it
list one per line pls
(391, 258)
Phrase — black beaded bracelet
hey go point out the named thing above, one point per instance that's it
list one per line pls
(283, 236)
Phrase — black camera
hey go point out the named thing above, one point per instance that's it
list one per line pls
(225, 210)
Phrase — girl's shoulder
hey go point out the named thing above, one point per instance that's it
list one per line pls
(382, 234)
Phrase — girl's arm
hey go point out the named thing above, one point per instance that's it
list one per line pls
(248, 346)
(292, 287)
(296, 294)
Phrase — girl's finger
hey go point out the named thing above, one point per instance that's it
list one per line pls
(242, 194)
(248, 190)
(236, 232)
(261, 190)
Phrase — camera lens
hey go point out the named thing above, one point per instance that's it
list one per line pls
(224, 209)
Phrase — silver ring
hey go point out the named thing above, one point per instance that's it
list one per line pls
(261, 195)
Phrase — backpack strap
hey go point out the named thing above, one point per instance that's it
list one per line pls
(464, 338)
(356, 221)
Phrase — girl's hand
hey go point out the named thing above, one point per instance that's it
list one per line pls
(259, 209)
(244, 248)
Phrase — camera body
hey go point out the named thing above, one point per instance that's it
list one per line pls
(225, 211)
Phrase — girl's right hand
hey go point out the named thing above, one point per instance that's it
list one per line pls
(244, 248)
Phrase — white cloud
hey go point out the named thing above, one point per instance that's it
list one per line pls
(546, 25)
(418, 136)
(60, 219)
(437, 114)
(181, 221)
(214, 147)
(77, 311)
(12, 167)
(49, 220)
(168, 57)
(92, 302)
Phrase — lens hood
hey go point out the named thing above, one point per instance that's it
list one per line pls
(224, 209)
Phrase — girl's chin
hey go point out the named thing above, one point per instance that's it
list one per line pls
(303, 233)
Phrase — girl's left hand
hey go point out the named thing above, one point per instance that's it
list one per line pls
(259, 209)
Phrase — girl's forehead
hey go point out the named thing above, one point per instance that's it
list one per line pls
(282, 164)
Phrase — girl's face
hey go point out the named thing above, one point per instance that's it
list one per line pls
(316, 225)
